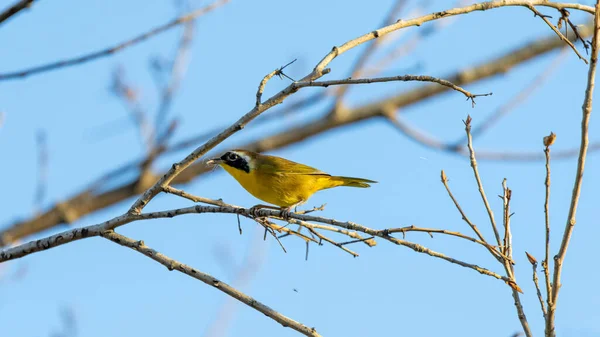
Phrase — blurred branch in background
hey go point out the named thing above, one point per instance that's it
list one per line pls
(68, 320)
(242, 275)
(42, 168)
(18, 74)
(131, 99)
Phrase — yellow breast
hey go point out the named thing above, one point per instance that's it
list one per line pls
(278, 188)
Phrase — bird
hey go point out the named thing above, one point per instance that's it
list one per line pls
(278, 181)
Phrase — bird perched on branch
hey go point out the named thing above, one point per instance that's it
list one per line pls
(279, 181)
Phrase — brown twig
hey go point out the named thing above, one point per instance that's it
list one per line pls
(571, 219)
(14, 9)
(18, 74)
(171, 264)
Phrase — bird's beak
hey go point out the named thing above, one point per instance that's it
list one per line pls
(214, 161)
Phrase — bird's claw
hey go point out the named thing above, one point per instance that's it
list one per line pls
(285, 214)
(254, 211)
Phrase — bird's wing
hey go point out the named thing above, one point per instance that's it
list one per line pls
(278, 165)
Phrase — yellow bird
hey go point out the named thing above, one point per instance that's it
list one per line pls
(279, 181)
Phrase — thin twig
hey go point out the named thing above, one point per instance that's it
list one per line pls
(506, 218)
(324, 238)
(111, 50)
(368, 241)
(183, 194)
(478, 179)
(571, 219)
(493, 251)
(430, 231)
(171, 264)
(533, 262)
(548, 141)
(403, 78)
(560, 35)
(508, 267)
(355, 241)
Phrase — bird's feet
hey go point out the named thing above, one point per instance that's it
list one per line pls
(285, 213)
(254, 210)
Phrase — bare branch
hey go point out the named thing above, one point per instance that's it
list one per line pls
(571, 219)
(19, 74)
(95, 230)
(171, 264)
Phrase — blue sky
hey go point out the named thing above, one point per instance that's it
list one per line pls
(389, 289)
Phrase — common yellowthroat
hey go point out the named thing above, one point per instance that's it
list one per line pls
(279, 181)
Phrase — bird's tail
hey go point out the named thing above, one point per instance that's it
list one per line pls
(352, 182)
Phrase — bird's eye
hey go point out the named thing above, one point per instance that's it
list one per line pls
(232, 157)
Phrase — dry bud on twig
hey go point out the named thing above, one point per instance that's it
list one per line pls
(549, 139)
(531, 259)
